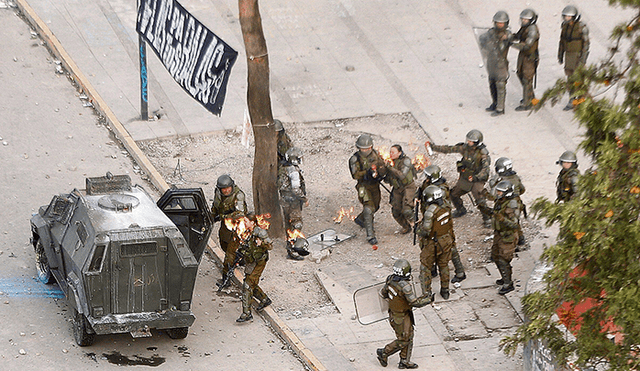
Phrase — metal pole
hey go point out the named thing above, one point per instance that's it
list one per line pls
(144, 96)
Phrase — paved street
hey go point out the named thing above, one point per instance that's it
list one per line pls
(50, 143)
(335, 59)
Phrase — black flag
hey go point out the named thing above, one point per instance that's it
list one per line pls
(196, 58)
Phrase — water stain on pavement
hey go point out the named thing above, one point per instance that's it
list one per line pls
(121, 360)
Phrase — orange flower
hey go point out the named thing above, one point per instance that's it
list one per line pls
(607, 82)
(535, 101)
(609, 214)
(630, 28)
(635, 190)
(579, 235)
(576, 84)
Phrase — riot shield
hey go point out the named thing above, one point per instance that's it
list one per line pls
(371, 308)
(481, 38)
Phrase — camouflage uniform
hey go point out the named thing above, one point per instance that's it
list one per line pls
(437, 240)
(528, 58)
(518, 190)
(475, 163)
(455, 255)
(399, 292)
(233, 206)
(495, 45)
(506, 214)
(402, 176)
(255, 257)
(567, 183)
(573, 49)
(368, 186)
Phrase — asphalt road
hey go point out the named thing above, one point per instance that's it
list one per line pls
(49, 143)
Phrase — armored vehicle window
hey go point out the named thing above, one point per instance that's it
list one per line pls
(60, 208)
(82, 232)
(138, 249)
(181, 203)
(97, 259)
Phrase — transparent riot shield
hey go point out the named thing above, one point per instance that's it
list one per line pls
(482, 39)
(371, 308)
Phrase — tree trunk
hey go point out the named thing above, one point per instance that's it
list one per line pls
(265, 165)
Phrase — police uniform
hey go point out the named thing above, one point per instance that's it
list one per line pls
(401, 297)
(506, 214)
(255, 256)
(233, 206)
(475, 163)
(401, 176)
(528, 57)
(495, 44)
(518, 190)
(567, 183)
(293, 194)
(574, 45)
(284, 144)
(436, 243)
(368, 186)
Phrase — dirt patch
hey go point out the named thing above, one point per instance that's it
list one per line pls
(198, 161)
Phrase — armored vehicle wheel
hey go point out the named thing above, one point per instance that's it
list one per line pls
(82, 331)
(42, 265)
(178, 332)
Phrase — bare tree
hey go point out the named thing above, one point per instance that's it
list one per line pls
(265, 165)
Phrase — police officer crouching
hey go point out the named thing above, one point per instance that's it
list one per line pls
(398, 291)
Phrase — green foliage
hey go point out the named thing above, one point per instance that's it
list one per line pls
(597, 253)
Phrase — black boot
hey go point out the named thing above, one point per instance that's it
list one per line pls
(459, 279)
(491, 108)
(382, 358)
(293, 255)
(444, 293)
(263, 304)
(404, 363)
(244, 317)
(506, 289)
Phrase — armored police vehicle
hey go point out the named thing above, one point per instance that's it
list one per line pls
(125, 263)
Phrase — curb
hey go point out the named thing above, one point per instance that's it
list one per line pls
(121, 133)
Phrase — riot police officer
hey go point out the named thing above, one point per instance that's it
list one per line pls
(433, 176)
(474, 172)
(255, 254)
(527, 42)
(228, 202)
(401, 175)
(436, 240)
(284, 141)
(504, 171)
(573, 48)
(293, 194)
(495, 45)
(398, 291)
(567, 182)
(368, 169)
(506, 214)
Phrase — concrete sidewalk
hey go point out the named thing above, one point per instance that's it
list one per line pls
(339, 59)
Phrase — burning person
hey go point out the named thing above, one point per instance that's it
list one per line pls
(293, 194)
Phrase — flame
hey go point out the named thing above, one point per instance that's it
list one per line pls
(242, 227)
(384, 153)
(420, 162)
(292, 235)
(262, 220)
(344, 213)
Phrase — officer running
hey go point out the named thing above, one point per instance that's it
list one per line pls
(401, 175)
(398, 291)
(255, 254)
(228, 202)
(368, 169)
(433, 176)
(506, 215)
(527, 42)
(293, 194)
(567, 182)
(573, 48)
(474, 172)
(437, 240)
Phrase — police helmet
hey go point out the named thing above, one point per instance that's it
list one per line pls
(570, 11)
(224, 181)
(278, 125)
(506, 187)
(503, 164)
(301, 246)
(432, 172)
(501, 17)
(529, 14)
(432, 194)
(568, 156)
(261, 234)
(294, 156)
(475, 136)
(364, 141)
(402, 268)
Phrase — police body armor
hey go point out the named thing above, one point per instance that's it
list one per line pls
(226, 207)
(404, 165)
